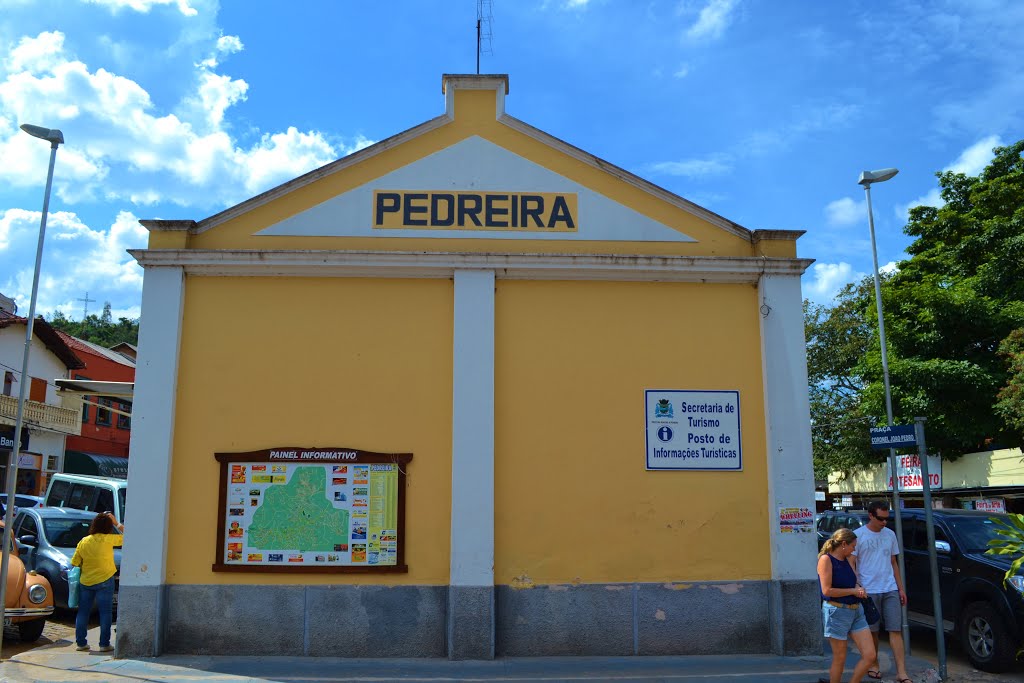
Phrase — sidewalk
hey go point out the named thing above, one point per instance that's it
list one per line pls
(60, 662)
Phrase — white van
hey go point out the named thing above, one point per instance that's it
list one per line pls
(85, 492)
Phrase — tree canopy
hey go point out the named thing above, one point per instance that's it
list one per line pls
(101, 329)
(954, 321)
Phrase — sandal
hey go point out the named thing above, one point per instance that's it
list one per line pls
(876, 675)
(904, 680)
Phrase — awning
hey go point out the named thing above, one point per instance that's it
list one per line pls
(96, 464)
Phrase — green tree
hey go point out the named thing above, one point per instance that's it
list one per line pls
(949, 309)
(1010, 405)
(99, 330)
(837, 340)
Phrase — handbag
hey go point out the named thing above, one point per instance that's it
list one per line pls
(74, 575)
(870, 611)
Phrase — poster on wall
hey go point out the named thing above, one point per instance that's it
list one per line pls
(796, 520)
(311, 510)
(693, 430)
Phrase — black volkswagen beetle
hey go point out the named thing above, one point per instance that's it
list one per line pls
(47, 538)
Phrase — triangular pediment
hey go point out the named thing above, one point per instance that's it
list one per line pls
(475, 189)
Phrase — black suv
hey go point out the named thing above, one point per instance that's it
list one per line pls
(985, 615)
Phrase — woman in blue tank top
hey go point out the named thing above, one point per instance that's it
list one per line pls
(841, 610)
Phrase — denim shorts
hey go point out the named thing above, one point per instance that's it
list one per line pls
(841, 622)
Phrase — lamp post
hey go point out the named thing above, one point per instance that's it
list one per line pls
(867, 178)
(54, 137)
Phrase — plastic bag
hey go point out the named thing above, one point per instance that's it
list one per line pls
(74, 574)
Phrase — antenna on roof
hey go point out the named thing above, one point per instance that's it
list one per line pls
(484, 18)
(85, 305)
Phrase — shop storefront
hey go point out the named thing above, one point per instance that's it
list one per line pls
(524, 403)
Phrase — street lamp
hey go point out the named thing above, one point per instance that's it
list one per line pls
(54, 137)
(867, 178)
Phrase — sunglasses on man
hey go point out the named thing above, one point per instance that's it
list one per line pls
(881, 519)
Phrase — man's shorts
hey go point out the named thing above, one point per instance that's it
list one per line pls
(840, 622)
(889, 607)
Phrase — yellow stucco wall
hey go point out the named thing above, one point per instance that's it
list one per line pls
(313, 362)
(573, 502)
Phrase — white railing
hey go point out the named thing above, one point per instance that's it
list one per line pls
(42, 416)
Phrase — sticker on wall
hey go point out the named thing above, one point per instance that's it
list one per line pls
(693, 430)
(796, 520)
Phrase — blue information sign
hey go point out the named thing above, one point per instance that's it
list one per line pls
(897, 436)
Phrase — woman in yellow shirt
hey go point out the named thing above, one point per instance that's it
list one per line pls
(95, 555)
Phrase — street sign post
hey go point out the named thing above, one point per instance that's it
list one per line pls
(895, 436)
(933, 562)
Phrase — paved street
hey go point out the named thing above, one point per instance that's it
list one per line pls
(53, 658)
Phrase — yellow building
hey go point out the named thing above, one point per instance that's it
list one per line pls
(602, 387)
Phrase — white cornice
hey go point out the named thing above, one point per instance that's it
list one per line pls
(397, 264)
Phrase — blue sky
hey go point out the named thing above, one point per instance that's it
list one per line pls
(764, 112)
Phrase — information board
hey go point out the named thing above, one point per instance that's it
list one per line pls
(311, 510)
(693, 430)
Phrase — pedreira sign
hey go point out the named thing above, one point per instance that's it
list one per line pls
(311, 510)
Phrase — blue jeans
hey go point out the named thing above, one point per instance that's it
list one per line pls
(102, 594)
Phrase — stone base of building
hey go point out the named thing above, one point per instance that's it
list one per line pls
(701, 618)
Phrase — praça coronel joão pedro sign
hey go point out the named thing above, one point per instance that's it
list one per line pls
(291, 509)
(468, 210)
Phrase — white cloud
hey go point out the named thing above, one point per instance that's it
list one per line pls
(120, 148)
(76, 258)
(692, 168)
(145, 5)
(712, 21)
(827, 279)
(683, 71)
(971, 161)
(975, 158)
(889, 268)
(845, 211)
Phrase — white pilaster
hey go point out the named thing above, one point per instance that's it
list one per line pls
(787, 418)
(144, 559)
(472, 543)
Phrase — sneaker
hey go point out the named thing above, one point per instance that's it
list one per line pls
(106, 648)
(82, 648)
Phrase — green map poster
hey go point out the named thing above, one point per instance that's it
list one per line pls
(310, 508)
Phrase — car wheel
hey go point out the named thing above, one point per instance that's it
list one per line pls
(29, 631)
(985, 638)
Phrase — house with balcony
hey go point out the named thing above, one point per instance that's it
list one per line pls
(47, 422)
(102, 446)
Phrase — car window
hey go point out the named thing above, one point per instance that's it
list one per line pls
(105, 501)
(82, 497)
(58, 493)
(24, 502)
(27, 527)
(830, 524)
(853, 522)
(66, 533)
(974, 533)
(122, 496)
(915, 537)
